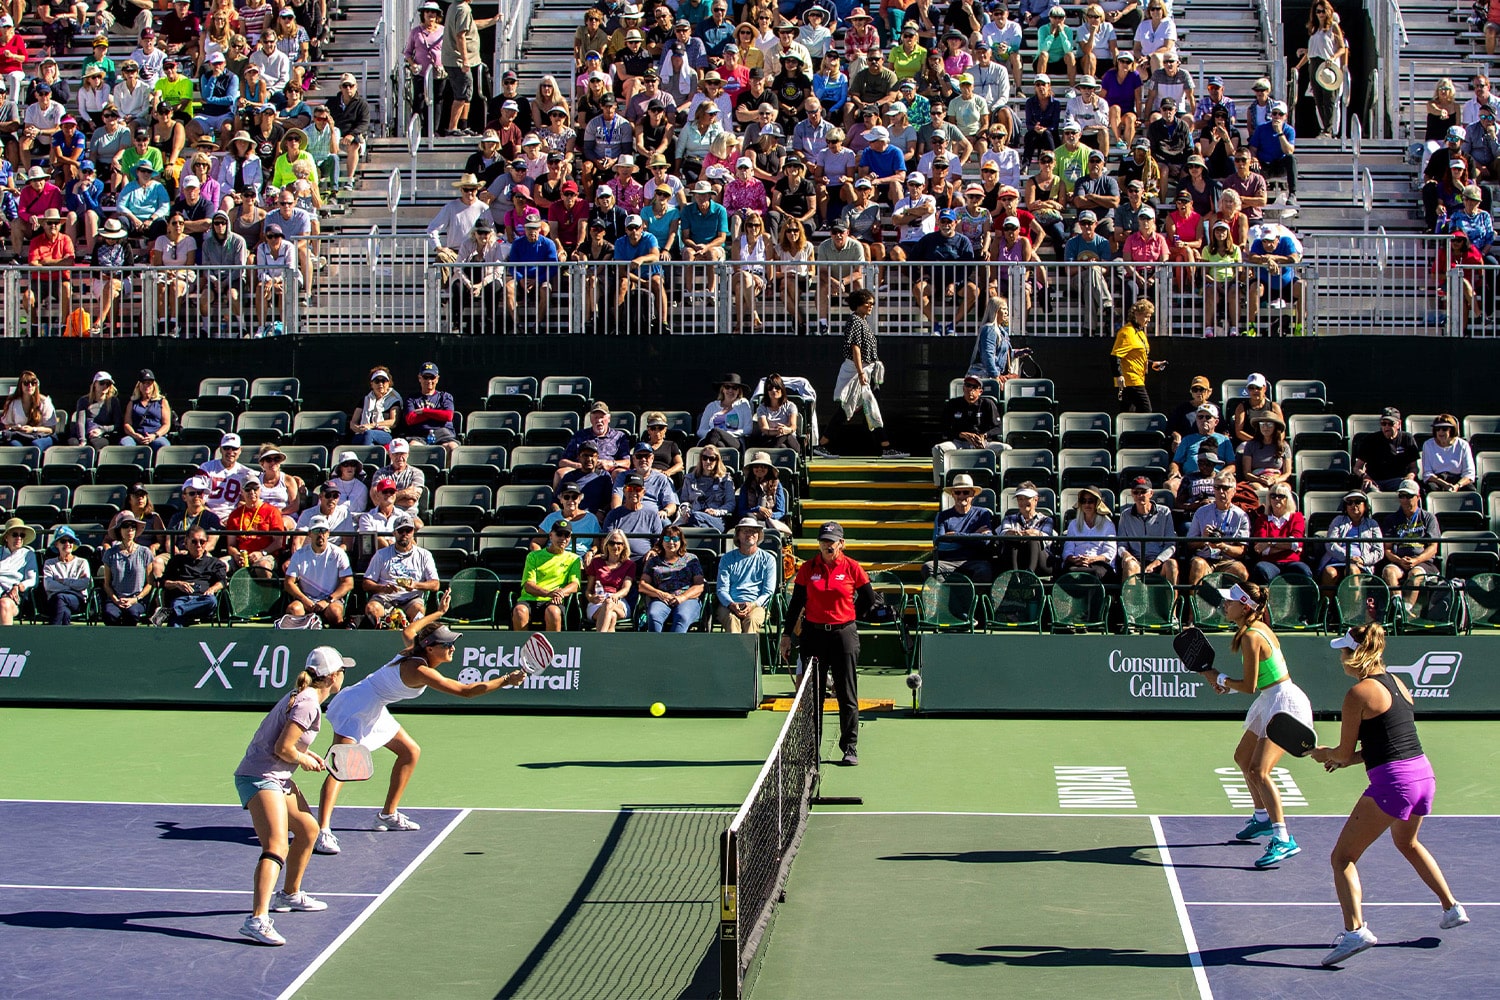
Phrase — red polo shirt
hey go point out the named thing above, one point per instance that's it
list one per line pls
(830, 589)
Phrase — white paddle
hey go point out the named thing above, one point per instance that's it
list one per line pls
(536, 654)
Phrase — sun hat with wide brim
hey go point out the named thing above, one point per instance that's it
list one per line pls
(16, 524)
(733, 378)
(962, 482)
(1089, 491)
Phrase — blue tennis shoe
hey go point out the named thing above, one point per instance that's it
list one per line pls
(1278, 851)
(1254, 830)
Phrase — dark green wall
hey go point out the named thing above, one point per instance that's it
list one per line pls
(1363, 373)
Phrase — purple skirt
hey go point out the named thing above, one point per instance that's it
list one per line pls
(1403, 788)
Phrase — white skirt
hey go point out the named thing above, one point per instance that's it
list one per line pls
(365, 720)
(1284, 697)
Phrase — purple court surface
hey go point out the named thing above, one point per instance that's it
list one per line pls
(139, 900)
(1261, 934)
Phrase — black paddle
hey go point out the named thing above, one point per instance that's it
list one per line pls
(1291, 734)
(1193, 649)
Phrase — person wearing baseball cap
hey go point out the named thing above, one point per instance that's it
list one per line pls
(1152, 544)
(957, 286)
(1274, 144)
(318, 575)
(263, 781)
(1385, 460)
(408, 479)
(639, 246)
(1189, 451)
(828, 588)
(336, 515)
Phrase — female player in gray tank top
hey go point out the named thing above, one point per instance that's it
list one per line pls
(1378, 716)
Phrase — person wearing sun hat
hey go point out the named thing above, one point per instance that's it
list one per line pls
(1355, 543)
(1089, 546)
(18, 568)
(65, 579)
(955, 549)
(747, 580)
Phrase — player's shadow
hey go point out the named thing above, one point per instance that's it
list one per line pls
(1060, 957)
(1124, 855)
(221, 834)
(547, 765)
(58, 920)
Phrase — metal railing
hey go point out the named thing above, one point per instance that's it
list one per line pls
(1358, 283)
(190, 302)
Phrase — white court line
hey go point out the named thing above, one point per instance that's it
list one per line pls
(1200, 975)
(368, 911)
(1430, 902)
(727, 810)
(134, 888)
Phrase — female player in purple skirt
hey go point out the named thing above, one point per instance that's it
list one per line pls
(1378, 716)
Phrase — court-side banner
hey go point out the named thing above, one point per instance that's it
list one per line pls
(1032, 674)
(252, 666)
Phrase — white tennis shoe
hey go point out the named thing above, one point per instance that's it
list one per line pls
(1350, 943)
(398, 821)
(1456, 917)
(285, 902)
(326, 843)
(261, 931)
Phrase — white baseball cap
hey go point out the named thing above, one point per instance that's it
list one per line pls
(325, 661)
(229, 441)
(398, 445)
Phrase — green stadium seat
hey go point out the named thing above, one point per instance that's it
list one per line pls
(1322, 431)
(1078, 603)
(68, 465)
(549, 427)
(1149, 602)
(1085, 429)
(1029, 429)
(493, 427)
(204, 427)
(481, 465)
(1300, 396)
(256, 427)
(1141, 430)
(276, 393)
(221, 394)
(324, 427)
(518, 393)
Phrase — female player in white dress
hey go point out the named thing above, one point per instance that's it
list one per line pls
(360, 715)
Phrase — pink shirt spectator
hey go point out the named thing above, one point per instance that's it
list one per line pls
(1146, 250)
(630, 194)
(857, 42)
(742, 194)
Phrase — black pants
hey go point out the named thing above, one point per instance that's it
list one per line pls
(1325, 101)
(1135, 399)
(1286, 167)
(1027, 553)
(720, 439)
(837, 653)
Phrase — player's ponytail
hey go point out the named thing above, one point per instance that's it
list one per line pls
(305, 680)
(1369, 659)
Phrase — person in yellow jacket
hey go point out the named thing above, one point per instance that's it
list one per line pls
(1132, 354)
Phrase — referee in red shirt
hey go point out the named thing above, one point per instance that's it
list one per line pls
(822, 614)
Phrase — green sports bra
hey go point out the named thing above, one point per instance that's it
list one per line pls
(1272, 669)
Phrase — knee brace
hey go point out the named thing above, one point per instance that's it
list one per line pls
(279, 861)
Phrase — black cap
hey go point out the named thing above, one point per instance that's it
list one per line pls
(634, 480)
(145, 375)
(831, 529)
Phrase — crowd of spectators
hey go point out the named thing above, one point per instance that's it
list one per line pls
(1226, 504)
(796, 141)
(612, 532)
(186, 138)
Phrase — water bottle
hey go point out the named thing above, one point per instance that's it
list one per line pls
(432, 437)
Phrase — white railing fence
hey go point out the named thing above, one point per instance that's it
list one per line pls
(1359, 283)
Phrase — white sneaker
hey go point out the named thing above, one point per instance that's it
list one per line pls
(1349, 944)
(326, 843)
(396, 822)
(1456, 917)
(1208, 331)
(1234, 331)
(300, 901)
(261, 931)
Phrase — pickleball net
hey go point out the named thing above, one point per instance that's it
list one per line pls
(756, 851)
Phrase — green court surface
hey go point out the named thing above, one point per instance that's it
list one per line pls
(589, 864)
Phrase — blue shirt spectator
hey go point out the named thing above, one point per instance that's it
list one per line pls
(976, 520)
(1267, 144)
(702, 226)
(586, 530)
(883, 162)
(626, 250)
(748, 579)
(533, 249)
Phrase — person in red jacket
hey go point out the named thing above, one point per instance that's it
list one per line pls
(1270, 528)
(429, 414)
(1459, 252)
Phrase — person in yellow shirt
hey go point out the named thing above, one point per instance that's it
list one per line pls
(550, 576)
(1132, 354)
(908, 56)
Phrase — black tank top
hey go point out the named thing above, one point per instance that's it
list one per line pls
(1391, 735)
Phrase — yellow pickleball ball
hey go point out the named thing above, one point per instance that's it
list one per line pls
(658, 709)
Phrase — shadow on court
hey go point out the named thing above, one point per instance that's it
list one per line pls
(1125, 855)
(642, 919)
(547, 765)
(59, 920)
(1058, 957)
(243, 834)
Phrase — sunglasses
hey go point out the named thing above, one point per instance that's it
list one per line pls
(32, 381)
